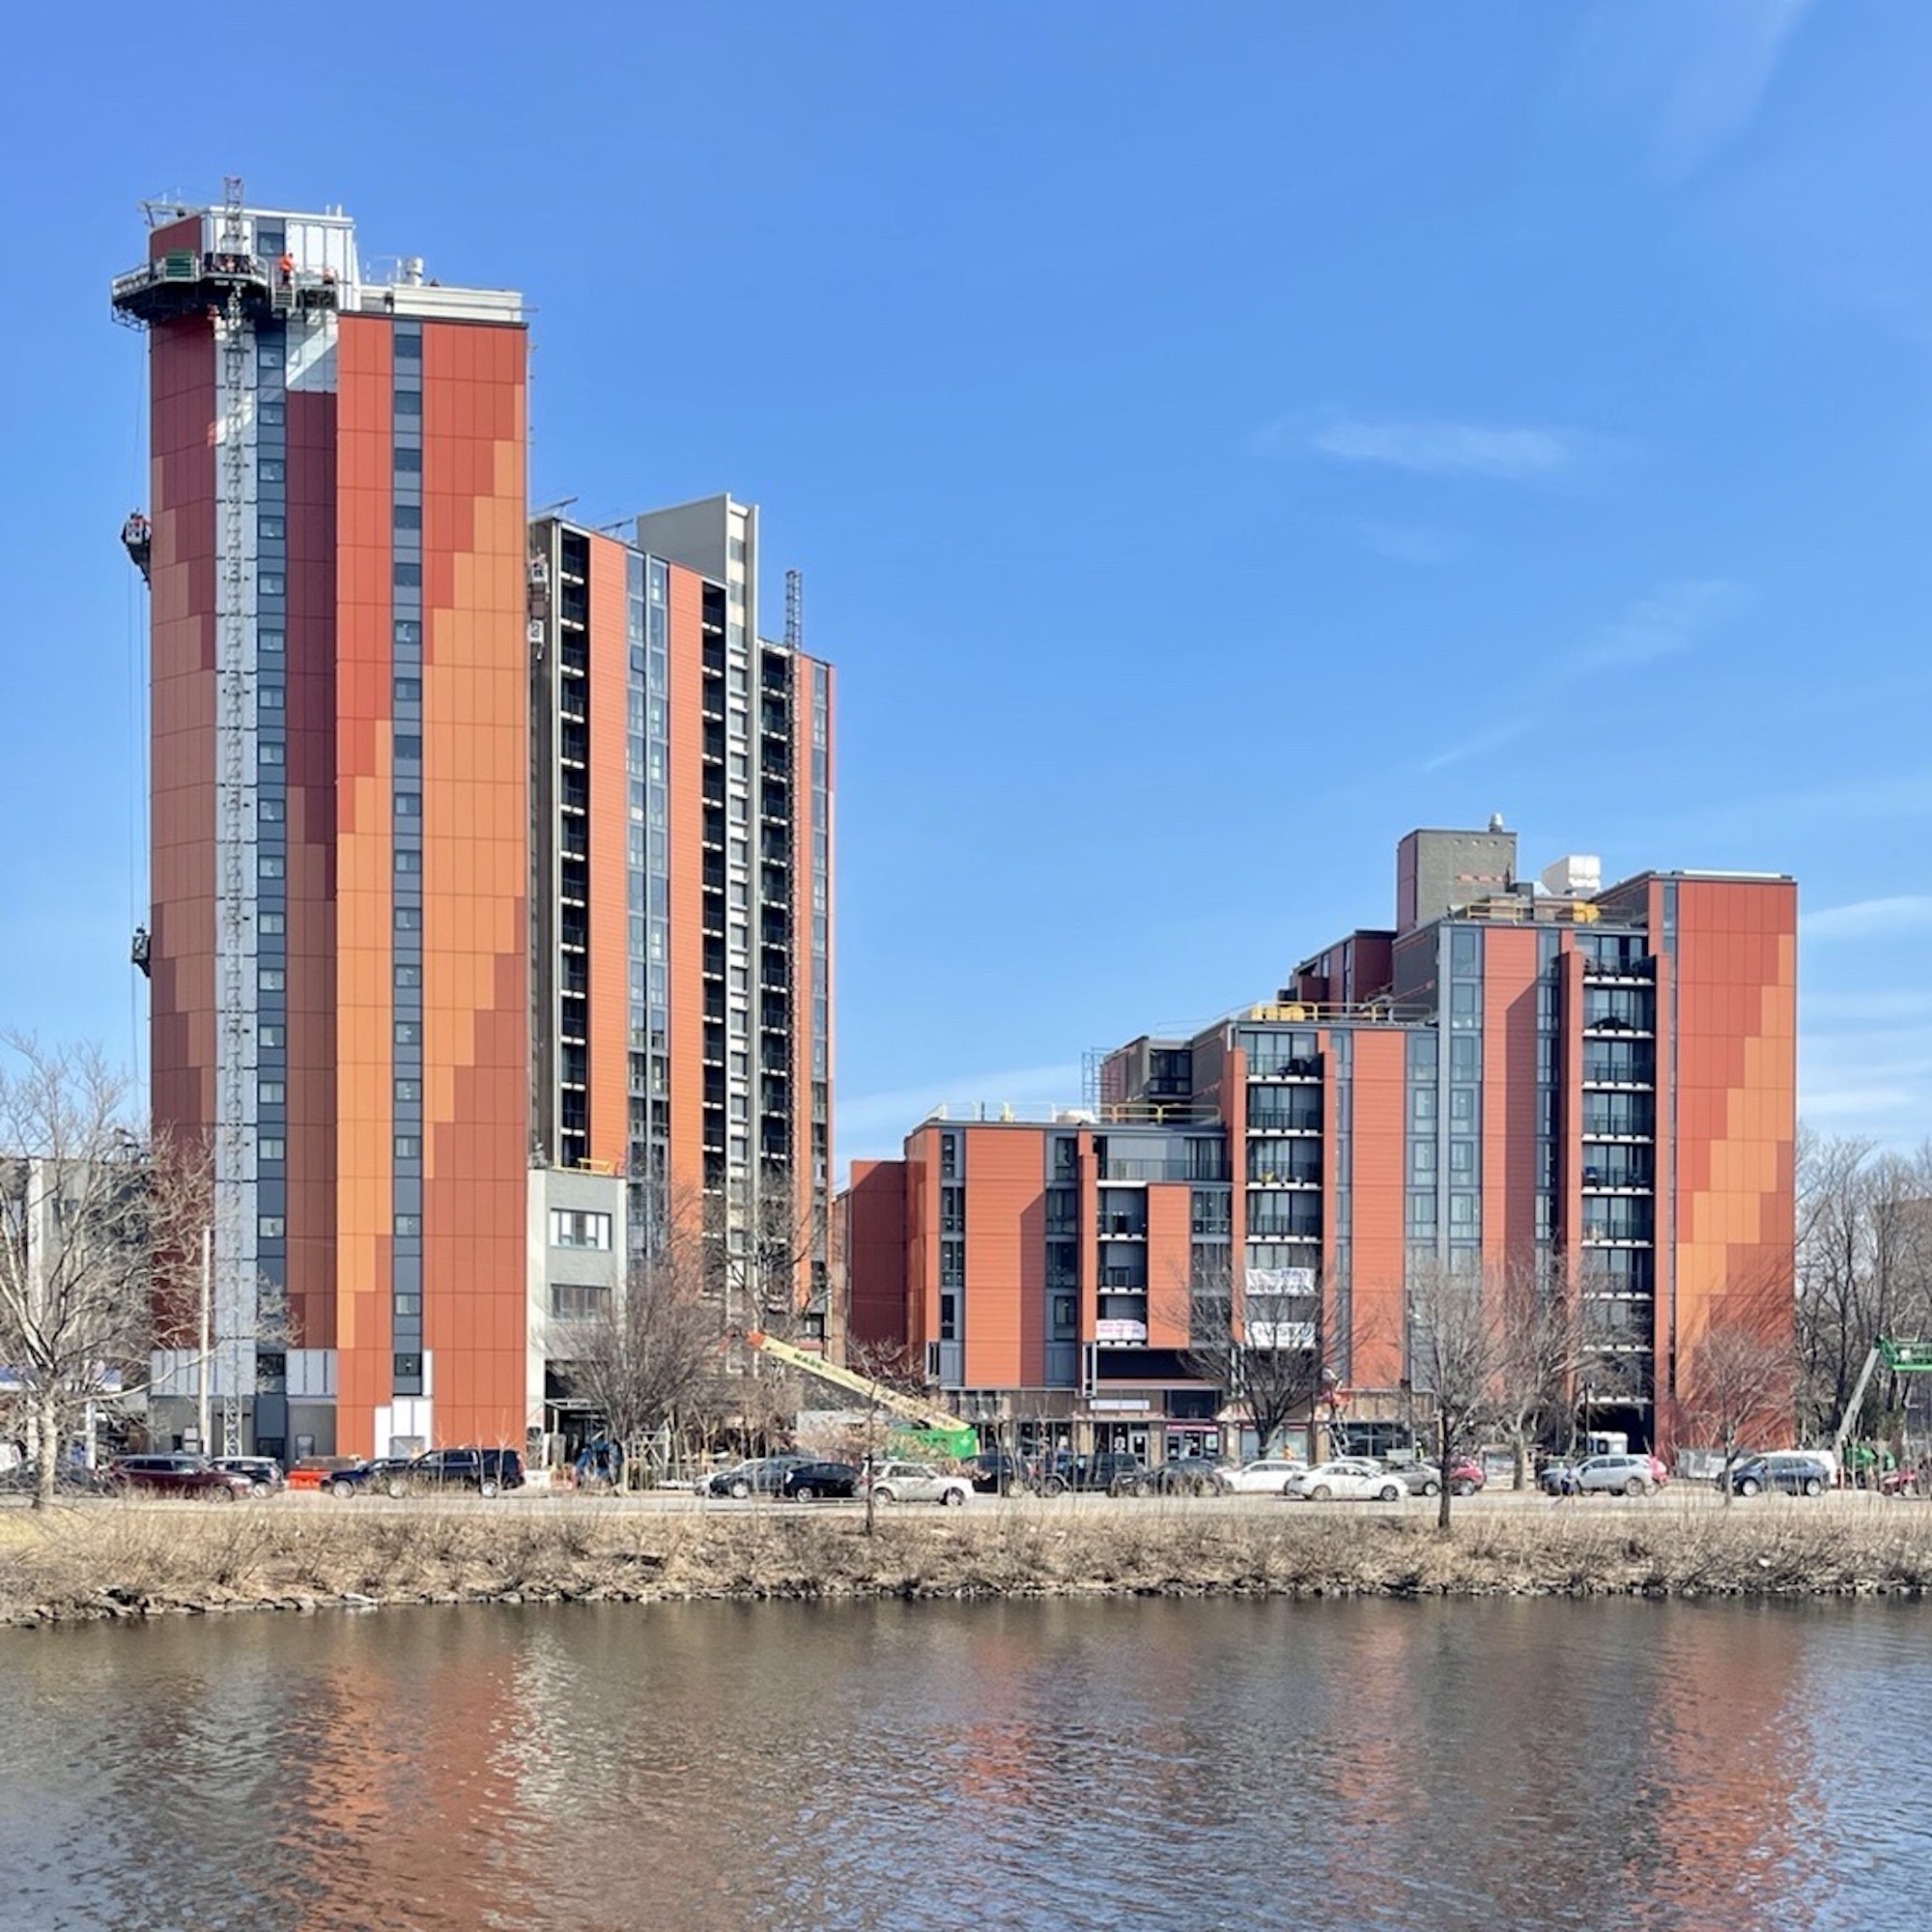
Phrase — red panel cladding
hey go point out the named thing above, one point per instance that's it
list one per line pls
(1005, 1256)
(922, 1198)
(182, 748)
(1509, 1097)
(312, 657)
(1234, 1109)
(475, 882)
(686, 845)
(1376, 1234)
(1170, 1249)
(610, 1030)
(364, 860)
(874, 1207)
(1089, 1223)
(183, 234)
(1570, 1141)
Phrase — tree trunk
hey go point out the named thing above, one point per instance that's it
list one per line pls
(51, 1449)
(1443, 1435)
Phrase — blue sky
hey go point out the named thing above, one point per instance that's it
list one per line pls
(1216, 440)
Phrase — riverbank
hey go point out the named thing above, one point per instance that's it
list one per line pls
(123, 1562)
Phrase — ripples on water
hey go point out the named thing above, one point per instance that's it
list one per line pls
(1495, 1767)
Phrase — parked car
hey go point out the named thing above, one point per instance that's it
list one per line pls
(178, 1475)
(1900, 1482)
(756, 1476)
(805, 1482)
(1795, 1474)
(1425, 1479)
(994, 1472)
(1116, 1471)
(1269, 1476)
(487, 1471)
(1348, 1479)
(918, 1483)
(361, 1478)
(1187, 1476)
(264, 1472)
(1604, 1475)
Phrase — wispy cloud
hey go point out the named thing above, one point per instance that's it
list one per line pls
(1726, 53)
(1682, 78)
(1480, 746)
(1869, 919)
(1669, 620)
(1414, 544)
(1835, 807)
(1675, 618)
(1493, 452)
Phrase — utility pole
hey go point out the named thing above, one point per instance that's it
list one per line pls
(205, 1363)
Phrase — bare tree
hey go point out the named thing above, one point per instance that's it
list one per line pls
(100, 1225)
(1458, 1323)
(1740, 1382)
(766, 1255)
(1863, 1270)
(645, 1358)
(1260, 1341)
(1540, 1349)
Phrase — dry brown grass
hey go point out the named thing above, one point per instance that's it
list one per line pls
(117, 1560)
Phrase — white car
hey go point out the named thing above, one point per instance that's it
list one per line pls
(1349, 1480)
(1268, 1477)
(918, 1482)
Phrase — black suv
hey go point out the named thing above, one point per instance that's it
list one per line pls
(1113, 1471)
(487, 1471)
(995, 1472)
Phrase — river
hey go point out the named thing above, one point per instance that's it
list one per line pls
(1039, 1766)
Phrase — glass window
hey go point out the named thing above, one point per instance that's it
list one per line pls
(409, 1226)
(271, 1146)
(576, 1228)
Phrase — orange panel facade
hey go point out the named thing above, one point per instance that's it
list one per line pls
(475, 879)
(1170, 1248)
(1375, 1296)
(1509, 1098)
(364, 978)
(1734, 1000)
(1005, 1169)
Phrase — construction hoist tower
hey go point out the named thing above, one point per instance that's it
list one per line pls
(211, 279)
